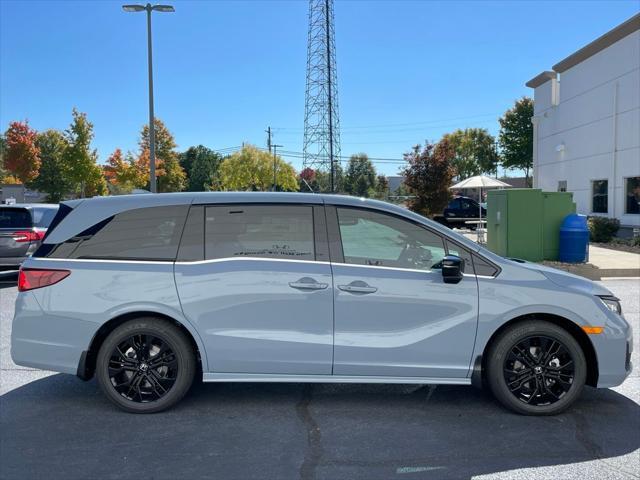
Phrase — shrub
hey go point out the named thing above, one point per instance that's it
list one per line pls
(602, 229)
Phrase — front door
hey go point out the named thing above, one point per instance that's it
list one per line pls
(394, 315)
(260, 299)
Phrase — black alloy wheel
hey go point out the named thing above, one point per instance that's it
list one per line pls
(535, 367)
(539, 370)
(146, 365)
(143, 368)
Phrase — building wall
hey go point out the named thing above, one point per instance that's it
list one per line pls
(592, 129)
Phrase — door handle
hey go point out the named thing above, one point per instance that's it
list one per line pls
(307, 283)
(359, 287)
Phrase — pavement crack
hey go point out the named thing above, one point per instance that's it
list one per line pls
(313, 453)
(584, 435)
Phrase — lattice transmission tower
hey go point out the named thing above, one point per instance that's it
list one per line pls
(321, 144)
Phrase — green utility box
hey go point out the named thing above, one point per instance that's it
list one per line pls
(525, 223)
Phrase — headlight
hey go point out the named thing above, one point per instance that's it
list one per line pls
(612, 303)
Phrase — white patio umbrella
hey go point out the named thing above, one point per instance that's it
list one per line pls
(479, 182)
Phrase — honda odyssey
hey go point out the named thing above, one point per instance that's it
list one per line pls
(147, 291)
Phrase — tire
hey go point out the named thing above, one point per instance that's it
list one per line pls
(526, 376)
(146, 365)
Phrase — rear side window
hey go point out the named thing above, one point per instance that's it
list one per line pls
(142, 234)
(15, 218)
(263, 231)
(42, 217)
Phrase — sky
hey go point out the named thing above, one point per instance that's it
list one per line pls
(408, 71)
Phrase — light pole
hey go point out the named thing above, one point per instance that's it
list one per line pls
(152, 131)
(275, 163)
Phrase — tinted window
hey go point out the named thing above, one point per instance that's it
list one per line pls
(483, 267)
(141, 234)
(192, 243)
(42, 217)
(463, 253)
(600, 196)
(15, 218)
(454, 204)
(266, 231)
(370, 238)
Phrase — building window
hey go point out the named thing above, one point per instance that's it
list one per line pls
(632, 190)
(562, 186)
(600, 196)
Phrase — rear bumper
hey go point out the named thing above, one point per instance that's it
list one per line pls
(47, 342)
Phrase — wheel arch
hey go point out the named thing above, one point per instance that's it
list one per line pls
(479, 366)
(87, 364)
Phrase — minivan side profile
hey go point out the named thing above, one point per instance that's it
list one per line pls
(145, 292)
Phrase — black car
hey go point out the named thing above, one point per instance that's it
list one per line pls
(461, 210)
(22, 228)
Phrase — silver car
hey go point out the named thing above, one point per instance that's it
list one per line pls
(22, 228)
(145, 292)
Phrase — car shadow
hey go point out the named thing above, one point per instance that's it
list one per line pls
(8, 279)
(61, 427)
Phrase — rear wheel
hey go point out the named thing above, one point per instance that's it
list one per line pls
(145, 365)
(536, 368)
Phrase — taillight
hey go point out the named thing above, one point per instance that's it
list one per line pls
(30, 278)
(22, 236)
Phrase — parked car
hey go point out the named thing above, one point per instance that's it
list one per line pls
(22, 228)
(146, 291)
(460, 210)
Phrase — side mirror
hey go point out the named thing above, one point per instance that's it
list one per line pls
(452, 268)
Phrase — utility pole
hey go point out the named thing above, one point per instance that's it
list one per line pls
(268, 130)
(329, 94)
(275, 165)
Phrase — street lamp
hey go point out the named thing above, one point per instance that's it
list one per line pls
(152, 131)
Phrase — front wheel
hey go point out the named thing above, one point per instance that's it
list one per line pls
(145, 365)
(536, 368)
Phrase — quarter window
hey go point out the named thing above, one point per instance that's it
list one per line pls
(142, 234)
(263, 231)
(632, 190)
(370, 238)
(600, 196)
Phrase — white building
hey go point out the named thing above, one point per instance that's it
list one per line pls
(587, 126)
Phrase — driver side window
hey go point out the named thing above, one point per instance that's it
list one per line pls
(370, 238)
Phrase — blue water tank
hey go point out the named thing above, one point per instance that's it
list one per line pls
(574, 239)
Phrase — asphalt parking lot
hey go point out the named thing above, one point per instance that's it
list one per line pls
(56, 426)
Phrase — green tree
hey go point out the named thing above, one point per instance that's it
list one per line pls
(201, 166)
(475, 152)
(516, 136)
(428, 176)
(80, 158)
(252, 169)
(360, 178)
(323, 179)
(170, 175)
(382, 187)
(22, 156)
(53, 178)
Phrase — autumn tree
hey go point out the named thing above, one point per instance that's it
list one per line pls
(428, 177)
(22, 155)
(201, 166)
(170, 175)
(307, 180)
(251, 169)
(3, 171)
(81, 160)
(475, 152)
(516, 136)
(360, 177)
(125, 172)
(53, 178)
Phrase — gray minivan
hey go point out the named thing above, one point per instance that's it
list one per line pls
(147, 291)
